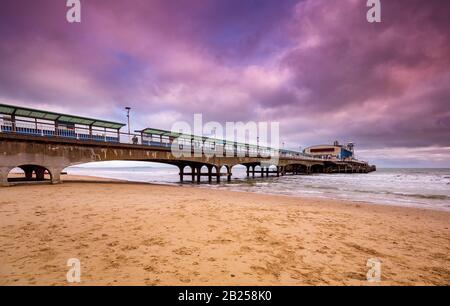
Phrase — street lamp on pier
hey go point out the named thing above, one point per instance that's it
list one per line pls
(128, 117)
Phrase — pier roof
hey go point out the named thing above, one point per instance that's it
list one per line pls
(159, 132)
(45, 115)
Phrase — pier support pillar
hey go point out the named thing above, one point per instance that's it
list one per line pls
(218, 174)
(248, 170)
(40, 174)
(28, 170)
(209, 174)
(4, 176)
(228, 173)
(193, 173)
(253, 171)
(278, 171)
(55, 174)
(199, 173)
(181, 173)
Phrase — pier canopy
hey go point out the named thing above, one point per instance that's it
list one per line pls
(57, 117)
(157, 137)
(158, 132)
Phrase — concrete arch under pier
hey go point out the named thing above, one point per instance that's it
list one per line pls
(30, 173)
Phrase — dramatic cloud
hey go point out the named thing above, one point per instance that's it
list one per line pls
(316, 66)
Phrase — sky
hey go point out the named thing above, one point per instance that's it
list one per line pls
(315, 66)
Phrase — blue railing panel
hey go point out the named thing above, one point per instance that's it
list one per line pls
(48, 133)
(28, 131)
(6, 128)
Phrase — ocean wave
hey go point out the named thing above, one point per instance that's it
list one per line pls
(323, 187)
(442, 197)
(401, 194)
(423, 196)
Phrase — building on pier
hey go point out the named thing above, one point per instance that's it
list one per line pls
(334, 151)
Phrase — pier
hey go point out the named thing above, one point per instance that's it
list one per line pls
(44, 143)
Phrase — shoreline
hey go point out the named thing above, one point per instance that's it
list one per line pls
(88, 178)
(148, 234)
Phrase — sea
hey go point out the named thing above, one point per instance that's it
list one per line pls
(423, 188)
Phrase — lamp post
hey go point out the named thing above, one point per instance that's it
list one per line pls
(214, 138)
(257, 146)
(128, 117)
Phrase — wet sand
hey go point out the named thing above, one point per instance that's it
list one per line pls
(141, 234)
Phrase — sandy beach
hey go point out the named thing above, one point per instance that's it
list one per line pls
(141, 234)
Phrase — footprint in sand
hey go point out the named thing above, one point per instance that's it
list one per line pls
(185, 251)
(129, 248)
(154, 241)
(113, 244)
(149, 268)
(185, 280)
